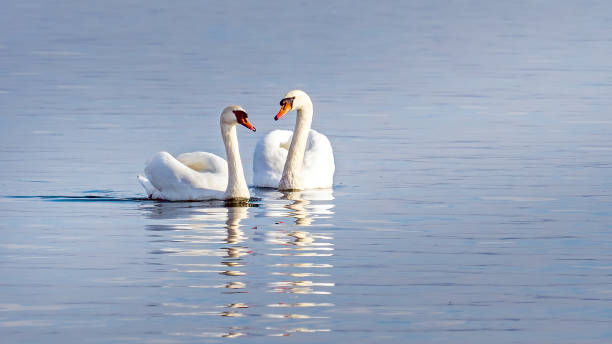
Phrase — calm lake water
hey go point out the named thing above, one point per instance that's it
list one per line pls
(473, 190)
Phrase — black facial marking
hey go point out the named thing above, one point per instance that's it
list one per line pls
(241, 113)
(287, 100)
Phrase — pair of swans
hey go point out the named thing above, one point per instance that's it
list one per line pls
(302, 159)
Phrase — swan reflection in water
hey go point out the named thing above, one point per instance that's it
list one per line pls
(203, 241)
(305, 207)
(207, 246)
(302, 252)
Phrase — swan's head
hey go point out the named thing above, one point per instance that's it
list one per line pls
(295, 99)
(235, 114)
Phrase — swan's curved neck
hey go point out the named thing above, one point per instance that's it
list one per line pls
(292, 173)
(236, 183)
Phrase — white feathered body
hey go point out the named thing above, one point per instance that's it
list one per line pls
(200, 176)
(271, 153)
(188, 177)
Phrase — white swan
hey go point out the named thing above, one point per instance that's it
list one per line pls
(201, 175)
(298, 160)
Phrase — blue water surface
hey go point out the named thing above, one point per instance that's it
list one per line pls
(472, 200)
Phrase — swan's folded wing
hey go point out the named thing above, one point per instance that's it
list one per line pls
(175, 181)
(203, 162)
(319, 163)
(269, 158)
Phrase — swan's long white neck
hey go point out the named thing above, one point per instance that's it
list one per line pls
(292, 173)
(236, 183)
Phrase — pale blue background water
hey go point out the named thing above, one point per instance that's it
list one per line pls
(472, 199)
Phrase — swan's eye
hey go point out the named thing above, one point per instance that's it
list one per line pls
(287, 100)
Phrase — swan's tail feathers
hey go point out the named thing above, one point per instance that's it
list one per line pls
(146, 184)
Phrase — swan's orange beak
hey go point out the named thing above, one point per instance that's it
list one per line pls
(248, 124)
(243, 119)
(285, 107)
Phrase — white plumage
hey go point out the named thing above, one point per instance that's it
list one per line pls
(302, 159)
(169, 178)
(200, 175)
(271, 154)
